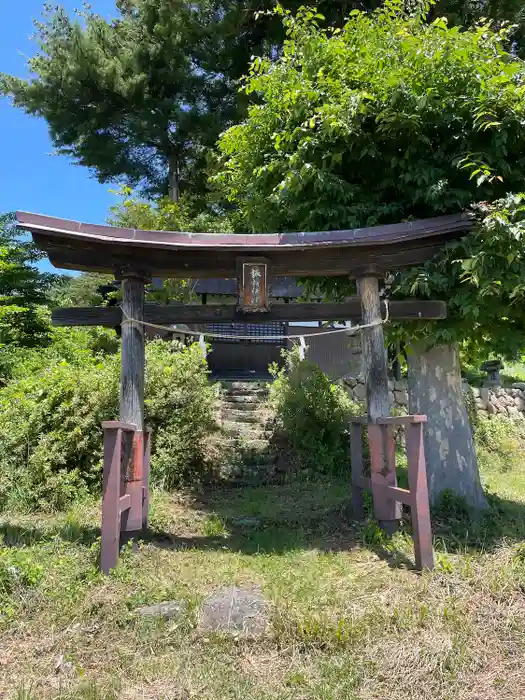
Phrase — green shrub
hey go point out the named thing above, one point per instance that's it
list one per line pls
(50, 423)
(180, 408)
(18, 571)
(312, 414)
(500, 443)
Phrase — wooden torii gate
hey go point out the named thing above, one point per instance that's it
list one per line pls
(366, 254)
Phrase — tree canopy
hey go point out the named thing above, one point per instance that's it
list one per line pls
(387, 119)
(142, 98)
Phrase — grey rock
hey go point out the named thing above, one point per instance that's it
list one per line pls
(241, 611)
(519, 385)
(168, 610)
(512, 411)
(351, 381)
(475, 392)
(391, 384)
(519, 403)
(400, 386)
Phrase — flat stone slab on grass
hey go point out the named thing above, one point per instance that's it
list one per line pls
(242, 611)
(169, 610)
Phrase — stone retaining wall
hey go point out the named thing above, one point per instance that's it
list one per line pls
(398, 391)
(500, 401)
(508, 401)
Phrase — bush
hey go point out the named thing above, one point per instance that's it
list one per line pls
(18, 571)
(50, 422)
(312, 414)
(500, 443)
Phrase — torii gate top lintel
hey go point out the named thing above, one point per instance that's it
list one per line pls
(79, 246)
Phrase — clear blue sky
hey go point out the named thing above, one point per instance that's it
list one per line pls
(31, 177)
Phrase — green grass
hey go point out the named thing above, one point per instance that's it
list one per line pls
(350, 618)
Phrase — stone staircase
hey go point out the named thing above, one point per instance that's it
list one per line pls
(244, 419)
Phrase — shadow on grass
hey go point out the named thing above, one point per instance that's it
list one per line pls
(275, 519)
(317, 515)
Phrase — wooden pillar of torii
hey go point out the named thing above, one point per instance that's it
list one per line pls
(125, 498)
(362, 254)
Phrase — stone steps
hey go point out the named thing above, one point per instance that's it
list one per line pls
(239, 388)
(250, 399)
(244, 420)
(249, 431)
(241, 414)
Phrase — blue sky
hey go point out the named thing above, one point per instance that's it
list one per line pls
(31, 177)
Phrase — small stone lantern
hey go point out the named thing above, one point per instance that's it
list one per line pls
(492, 368)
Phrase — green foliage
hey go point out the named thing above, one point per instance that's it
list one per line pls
(180, 408)
(51, 415)
(312, 414)
(83, 290)
(166, 73)
(500, 443)
(23, 291)
(166, 215)
(17, 571)
(386, 119)
(482, 278)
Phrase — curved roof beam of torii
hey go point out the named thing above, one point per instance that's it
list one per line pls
(79, 246)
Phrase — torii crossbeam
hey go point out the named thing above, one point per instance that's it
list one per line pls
(136, 256)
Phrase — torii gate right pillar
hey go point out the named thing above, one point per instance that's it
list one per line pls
(382, 458)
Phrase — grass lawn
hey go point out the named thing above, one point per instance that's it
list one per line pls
(349, 617)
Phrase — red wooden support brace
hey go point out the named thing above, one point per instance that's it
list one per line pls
(383, 481)
(382, 471)
(145, 477)
(420, 510)
(112, 504)
(132, 519)
(126, 480)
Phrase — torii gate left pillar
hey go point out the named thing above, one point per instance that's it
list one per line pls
(125, 498)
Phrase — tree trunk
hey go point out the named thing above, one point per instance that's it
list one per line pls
(435, 389)
(173, 179)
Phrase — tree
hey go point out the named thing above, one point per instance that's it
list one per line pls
(362, 126)
(86, 289)
(23, 289)
(142, 98)
(24, 318)
(388, 119)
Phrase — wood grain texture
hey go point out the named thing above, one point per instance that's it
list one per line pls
(227, 313)
(79, 246)
(133, 354)
(388, 511)
(205, 264)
